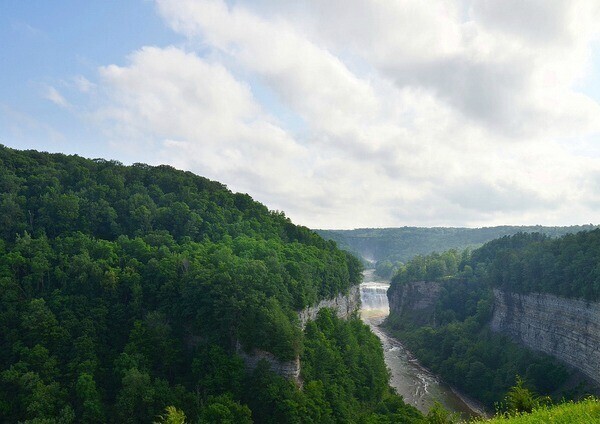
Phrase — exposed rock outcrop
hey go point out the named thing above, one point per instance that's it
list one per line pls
(568, 329)
(344, 306)
(287, 369)
(414, 301)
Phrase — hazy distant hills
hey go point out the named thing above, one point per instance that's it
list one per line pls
(402, 244)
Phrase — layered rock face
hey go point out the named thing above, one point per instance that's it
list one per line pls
(287, 369)
(415, 301)
(568, 329)
(344, 306)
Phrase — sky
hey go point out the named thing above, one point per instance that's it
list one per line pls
(341, 113)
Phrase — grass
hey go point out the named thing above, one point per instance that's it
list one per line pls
(584, 412)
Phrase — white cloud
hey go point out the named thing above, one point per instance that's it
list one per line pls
(52, 94)
(445, 113)
(83, 84)
(195, 114)
(507, 65)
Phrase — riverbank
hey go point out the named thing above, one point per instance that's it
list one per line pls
(416, 384)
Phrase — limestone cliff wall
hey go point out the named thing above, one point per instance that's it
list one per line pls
(287, 369)
(414, 301)
(568, 329)
(344, 305)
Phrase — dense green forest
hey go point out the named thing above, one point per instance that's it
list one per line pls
(458, 344)
(568, 266)
(125, 289)
(389, 248)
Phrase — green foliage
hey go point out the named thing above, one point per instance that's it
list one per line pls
(125, 292)
(584, 412)
(520, 399)
(434, 267)
(90, 407)
(438, 415)
(392, 247)
(345, 380)
(567, 266)
(224, 410)
(171, 415)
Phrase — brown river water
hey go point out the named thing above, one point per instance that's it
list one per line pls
(417, 385)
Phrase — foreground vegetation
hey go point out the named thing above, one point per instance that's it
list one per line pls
(126, 289)
(584, 412)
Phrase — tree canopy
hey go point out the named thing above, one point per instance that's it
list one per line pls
(125, 289)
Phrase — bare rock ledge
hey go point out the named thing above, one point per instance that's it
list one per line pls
(344, 306)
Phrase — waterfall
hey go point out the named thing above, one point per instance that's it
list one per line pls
(373, 297)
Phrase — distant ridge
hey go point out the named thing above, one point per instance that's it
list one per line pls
(404, 243)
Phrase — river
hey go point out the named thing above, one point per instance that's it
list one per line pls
(418, 386)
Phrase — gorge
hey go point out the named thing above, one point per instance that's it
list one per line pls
(417, 385)
(128, 291)
(474, 339)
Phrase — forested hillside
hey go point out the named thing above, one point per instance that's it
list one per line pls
(454, 339)
(125, 289)
(525, 262)
(568, 266)
(390, 247)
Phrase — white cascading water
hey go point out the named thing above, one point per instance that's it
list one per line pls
(373, 298)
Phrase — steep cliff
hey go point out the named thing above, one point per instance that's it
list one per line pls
(414, 301)
(287, 369)
(344, 306)
(568, 329)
